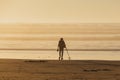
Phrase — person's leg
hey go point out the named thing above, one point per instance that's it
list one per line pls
(59, 54)
(62, 51)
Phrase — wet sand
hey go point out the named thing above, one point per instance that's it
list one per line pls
(13, 69)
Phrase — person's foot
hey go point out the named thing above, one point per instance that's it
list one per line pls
(59, 58)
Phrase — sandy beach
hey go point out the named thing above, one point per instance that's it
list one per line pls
(13, 69)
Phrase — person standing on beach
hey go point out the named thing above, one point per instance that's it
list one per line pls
(61, 46)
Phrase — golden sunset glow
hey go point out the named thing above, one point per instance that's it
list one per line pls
(59, 11)
(29, 26)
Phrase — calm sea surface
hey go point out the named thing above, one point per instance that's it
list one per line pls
(39, 41)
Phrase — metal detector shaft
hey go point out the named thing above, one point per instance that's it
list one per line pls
(67, 52)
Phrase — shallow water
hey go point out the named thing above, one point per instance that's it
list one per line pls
(53, 55)
(33, 50)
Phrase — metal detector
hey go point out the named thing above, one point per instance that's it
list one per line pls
(68, 54)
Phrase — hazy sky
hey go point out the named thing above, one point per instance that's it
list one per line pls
(59, 11)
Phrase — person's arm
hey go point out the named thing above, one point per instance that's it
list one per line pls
(65, 44)
(58, 46)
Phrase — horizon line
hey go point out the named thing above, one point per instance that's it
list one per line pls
(67, 23)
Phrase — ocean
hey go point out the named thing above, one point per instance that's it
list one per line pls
(92, 41)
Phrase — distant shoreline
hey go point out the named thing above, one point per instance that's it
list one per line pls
(20, 49)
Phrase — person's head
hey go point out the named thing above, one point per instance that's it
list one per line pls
(61, 39)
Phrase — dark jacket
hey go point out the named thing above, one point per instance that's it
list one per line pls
(61, 44)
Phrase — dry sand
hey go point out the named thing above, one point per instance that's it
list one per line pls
(11, 69)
